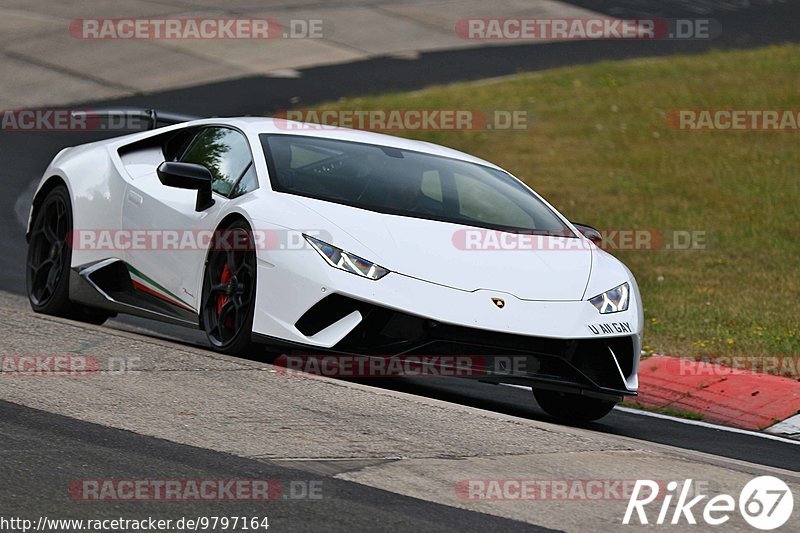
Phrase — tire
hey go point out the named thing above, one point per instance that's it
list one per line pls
(229, 286)
(48, 261)
(572, 407)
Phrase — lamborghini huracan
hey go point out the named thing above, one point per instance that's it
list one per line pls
(313, 239)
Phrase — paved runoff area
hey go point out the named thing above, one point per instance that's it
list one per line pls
(48, 60)
(459, 457)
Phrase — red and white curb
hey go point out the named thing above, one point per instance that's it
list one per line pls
(722, 395)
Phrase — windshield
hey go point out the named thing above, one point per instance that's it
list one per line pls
(407, 183)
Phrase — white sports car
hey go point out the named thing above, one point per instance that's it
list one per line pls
(316, 240)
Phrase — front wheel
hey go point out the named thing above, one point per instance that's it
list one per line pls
(48, 261)
(229, 286)
(573, 407)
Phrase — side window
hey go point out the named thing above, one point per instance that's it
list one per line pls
(223, 151)
(249, 182)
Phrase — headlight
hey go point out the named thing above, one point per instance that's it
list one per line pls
(338, 258)
(612, 301)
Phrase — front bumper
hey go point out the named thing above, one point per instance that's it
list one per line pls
(559, 345)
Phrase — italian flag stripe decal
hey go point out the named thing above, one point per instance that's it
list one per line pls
(146, 284)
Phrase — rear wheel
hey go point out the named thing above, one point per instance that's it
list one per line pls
(229, 288)
(573, 407)
(48, 260)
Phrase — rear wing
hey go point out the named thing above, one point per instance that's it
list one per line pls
(152, 117)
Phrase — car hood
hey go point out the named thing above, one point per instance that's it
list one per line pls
(462, 257)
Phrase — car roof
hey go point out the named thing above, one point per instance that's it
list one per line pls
(279, 126)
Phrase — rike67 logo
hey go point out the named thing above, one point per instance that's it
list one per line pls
(765, 503)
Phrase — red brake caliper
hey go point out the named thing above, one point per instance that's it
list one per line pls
(222, 299)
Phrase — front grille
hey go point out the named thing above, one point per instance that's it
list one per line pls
(384, 332)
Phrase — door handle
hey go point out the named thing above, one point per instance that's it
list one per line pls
(135, 198)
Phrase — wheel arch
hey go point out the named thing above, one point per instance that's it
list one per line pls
(44, 189)
(224, 222)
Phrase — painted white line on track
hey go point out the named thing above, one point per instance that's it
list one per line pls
(706, 425)
(689, 421)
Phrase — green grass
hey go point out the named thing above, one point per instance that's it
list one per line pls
(601, 151)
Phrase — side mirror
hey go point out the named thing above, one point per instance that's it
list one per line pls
(590, 233)
(188, 176)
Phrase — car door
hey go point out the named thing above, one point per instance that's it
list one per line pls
(169, 263)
